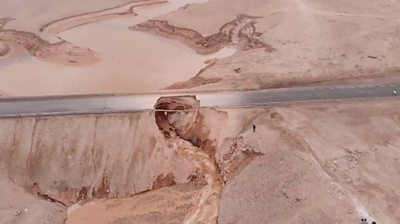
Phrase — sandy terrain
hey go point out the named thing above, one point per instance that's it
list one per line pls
(112, 47)
(20, 207)
(66, 144)
(167, 205)
(240, 32)
(332, 162)
(80, 62)
(305, 163)
(314, 41)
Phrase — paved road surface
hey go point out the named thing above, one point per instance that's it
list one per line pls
(129, 103)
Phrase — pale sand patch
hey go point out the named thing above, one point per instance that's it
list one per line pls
(166, 205)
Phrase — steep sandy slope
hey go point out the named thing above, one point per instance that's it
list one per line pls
(74, 158)
(305, 163)
(278, 43)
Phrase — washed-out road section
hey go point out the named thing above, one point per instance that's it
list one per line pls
(40, 106)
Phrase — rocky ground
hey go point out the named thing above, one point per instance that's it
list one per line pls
(305, 163)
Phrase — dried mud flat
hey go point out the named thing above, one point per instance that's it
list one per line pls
(278, 43)
(66, 56)
(305, 163)
(63, 51)
(315, 42)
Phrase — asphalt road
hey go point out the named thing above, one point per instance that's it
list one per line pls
(14, 107)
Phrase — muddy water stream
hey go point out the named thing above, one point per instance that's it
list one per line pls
(130, 61)
(204, 202)
(179, 129)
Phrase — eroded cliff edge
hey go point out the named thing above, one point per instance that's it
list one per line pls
(326, 162)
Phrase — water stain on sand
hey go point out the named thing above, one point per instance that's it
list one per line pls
(130, 61)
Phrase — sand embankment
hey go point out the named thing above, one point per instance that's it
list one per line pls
(74, 157)
(322, 163)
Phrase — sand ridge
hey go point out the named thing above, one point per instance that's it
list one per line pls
(310, 162)
(62, 52)
(240, 32)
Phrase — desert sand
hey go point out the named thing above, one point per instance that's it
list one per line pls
(305, 163)
(315, 42)
(154, 45)
(326, 162)
(134, 62)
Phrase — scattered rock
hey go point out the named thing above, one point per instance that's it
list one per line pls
(285, 193)
(164, 181)
(16, 212)
(3, 49)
